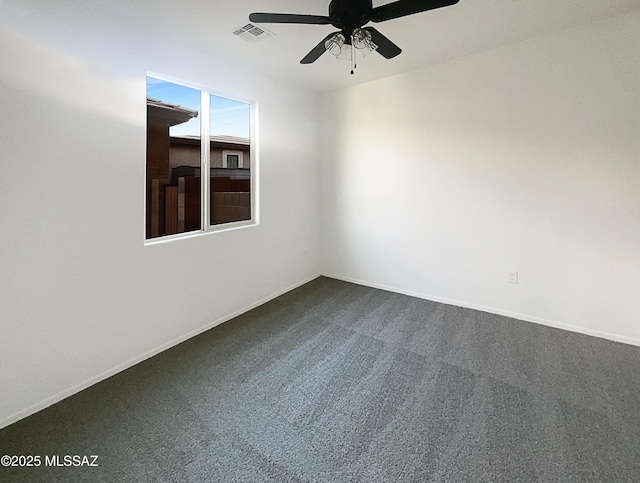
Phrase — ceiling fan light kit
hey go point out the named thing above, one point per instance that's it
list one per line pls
(350, 17)
(334, 44)
(361, 39)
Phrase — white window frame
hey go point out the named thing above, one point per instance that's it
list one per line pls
(225, 153)
(205, 164)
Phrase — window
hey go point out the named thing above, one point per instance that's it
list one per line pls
(192, 131)
(232, 159)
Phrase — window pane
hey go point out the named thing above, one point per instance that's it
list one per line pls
(230, 172)
(173, 158)
(232, 161)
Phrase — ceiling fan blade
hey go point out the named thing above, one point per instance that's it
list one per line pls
(402, 8)
(289, 18)
(317, 51)
(386, 48)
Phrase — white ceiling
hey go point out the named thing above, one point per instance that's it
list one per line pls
(206, 26)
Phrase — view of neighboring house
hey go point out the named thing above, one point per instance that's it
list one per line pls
(173, 174)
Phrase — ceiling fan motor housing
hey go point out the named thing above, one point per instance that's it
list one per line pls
(347, 15)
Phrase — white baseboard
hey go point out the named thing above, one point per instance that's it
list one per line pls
(493, 310)
(34, 408)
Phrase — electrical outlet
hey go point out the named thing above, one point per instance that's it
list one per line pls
(512, 276)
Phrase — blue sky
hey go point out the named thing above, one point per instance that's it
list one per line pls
(228, 117)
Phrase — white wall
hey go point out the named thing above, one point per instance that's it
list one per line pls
(527, 157)
(80, 295)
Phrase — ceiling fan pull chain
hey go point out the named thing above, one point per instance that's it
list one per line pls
(353, 62)
(355, 58)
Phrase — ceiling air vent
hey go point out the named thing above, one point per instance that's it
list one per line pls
(252, 33)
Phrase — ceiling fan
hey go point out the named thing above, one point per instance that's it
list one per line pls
(350, 17)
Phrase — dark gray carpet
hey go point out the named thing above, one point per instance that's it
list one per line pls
(338, 382)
